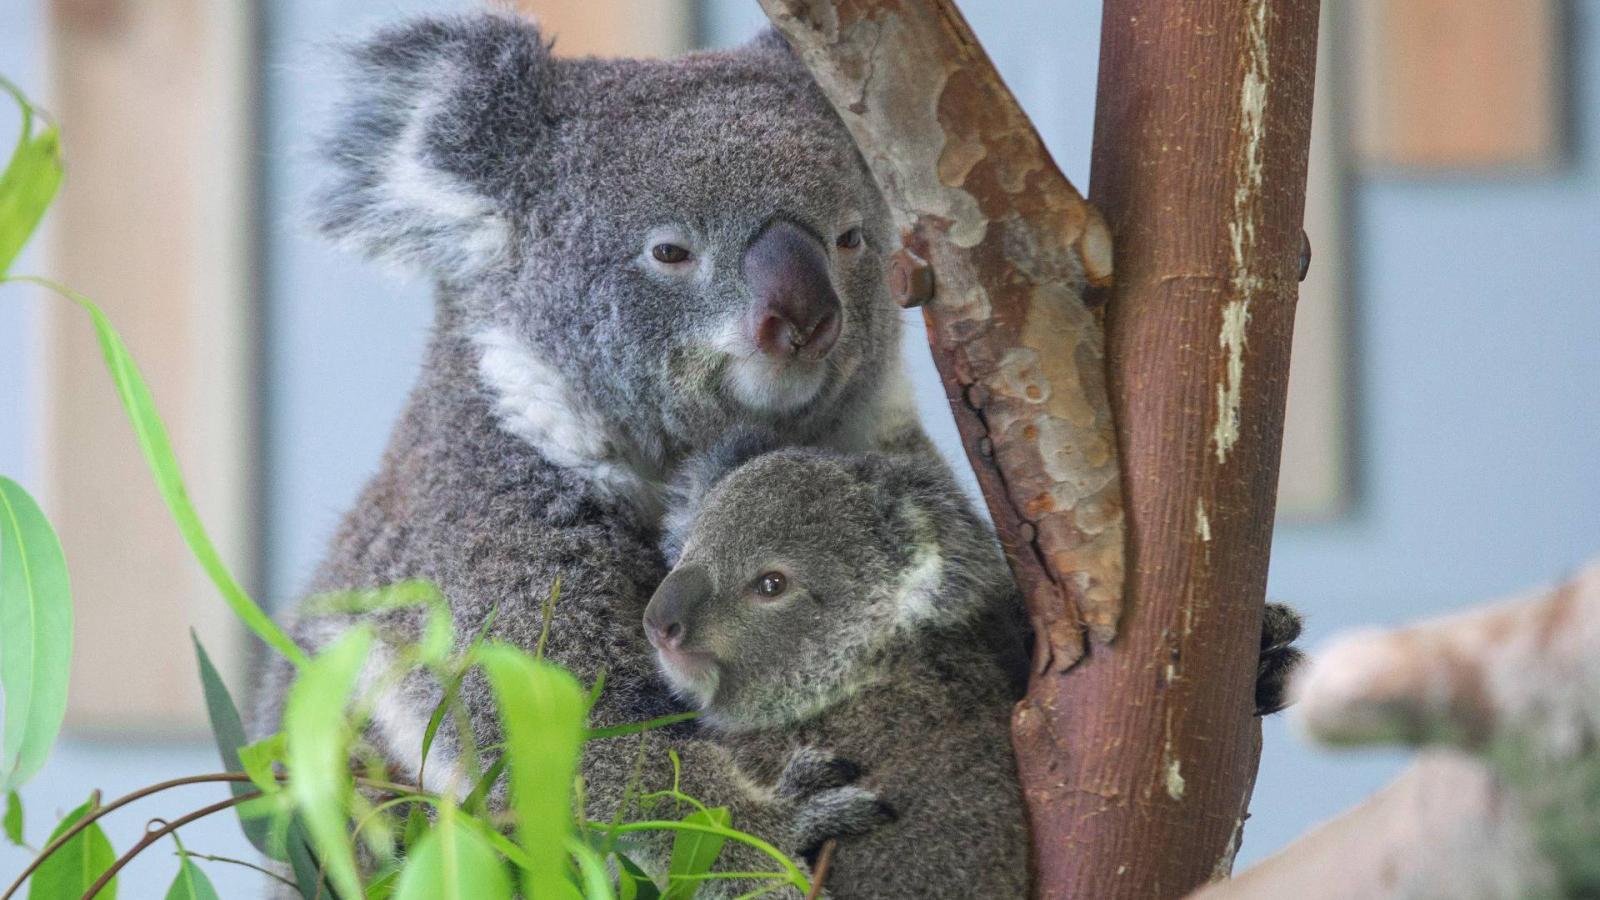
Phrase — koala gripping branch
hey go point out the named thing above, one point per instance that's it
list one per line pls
(1139, 762)
(1002, 244)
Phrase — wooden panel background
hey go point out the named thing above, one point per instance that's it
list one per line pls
(153, 223)
(1314, 481)
(1458, 84)
(615, 27)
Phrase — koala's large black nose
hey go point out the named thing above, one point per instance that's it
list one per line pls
(796, 311)
(666, 619)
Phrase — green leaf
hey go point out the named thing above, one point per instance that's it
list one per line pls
(13, 820)
(474, 804)
(632, 881)
(416, 825)
(694, 852)
(592, 869)
(191, 883)
(29, 182)
(542, 709)
(157, 449)
(35, 635)
(308, 873)
(74, 868)
(256, 759)
(453, 862)
(228, 731)
(382, 886)
(319, 752)
(595, 734)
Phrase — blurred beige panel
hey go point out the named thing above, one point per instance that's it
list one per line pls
(1314, 481)
(1458, 84)
(615, 27)
(153, 222)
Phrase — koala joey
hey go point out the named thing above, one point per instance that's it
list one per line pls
(850, 605)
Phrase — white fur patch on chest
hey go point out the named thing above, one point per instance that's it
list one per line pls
(533, 402)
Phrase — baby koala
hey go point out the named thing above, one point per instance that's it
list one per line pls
(856, 604)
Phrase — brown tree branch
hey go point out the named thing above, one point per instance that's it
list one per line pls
(1502, 803)
(1202, 129)
(1002, 242)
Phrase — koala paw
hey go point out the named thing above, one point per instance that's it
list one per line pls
(1279, 659)
(828, 803)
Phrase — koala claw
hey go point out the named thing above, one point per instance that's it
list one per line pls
(840, 812)
(828, 803)
(1279, 658)
(811, 771)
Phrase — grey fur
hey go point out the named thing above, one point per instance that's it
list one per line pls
(880, 649)
(565, 375)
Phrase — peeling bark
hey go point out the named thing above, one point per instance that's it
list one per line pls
(1138, 763)
(1502, 804)
(999, 246)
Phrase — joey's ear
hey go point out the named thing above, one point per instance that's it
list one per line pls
(697, 476)
(441, 120)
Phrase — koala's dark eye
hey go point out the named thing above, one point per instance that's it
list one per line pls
(772, 584)
(850, 239)
(669, 253)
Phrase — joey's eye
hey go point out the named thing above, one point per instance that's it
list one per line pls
(849, 240)
(772, 584)
(669, 253)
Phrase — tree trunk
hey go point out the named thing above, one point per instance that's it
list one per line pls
(1202, 130)
(1137, 748)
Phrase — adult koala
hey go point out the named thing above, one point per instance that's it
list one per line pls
(632, 258)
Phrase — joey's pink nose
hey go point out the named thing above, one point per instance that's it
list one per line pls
(796, 311)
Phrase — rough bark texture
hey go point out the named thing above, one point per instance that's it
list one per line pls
(1006, 239)
(1138, 763)
(1505, 803)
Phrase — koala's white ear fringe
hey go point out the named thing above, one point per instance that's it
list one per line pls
(389, 198)
(917, 591)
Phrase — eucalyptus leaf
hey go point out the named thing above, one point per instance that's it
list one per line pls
(228, 730)
(77, 864)
(632, 881)
(157, 448)
(35, 635)
(319, 739)
(29, 183)
(191, 883)
(453, 862)
(13, 818)
(542, 709)
(694, 852)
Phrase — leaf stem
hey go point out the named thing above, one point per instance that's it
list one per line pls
(150, 837)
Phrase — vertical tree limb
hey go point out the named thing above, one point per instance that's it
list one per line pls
(1138, 763)
(1202, 129)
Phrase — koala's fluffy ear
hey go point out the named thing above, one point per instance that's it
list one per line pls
(697, 476)
(442, 119)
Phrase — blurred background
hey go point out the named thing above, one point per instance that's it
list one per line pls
(1444, 437)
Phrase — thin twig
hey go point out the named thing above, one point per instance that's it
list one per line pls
(90, 817)
(239, 862)
(150, 837)
(819, 876)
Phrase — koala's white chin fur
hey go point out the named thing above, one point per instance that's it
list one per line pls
(534, 403)
(760, 383)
